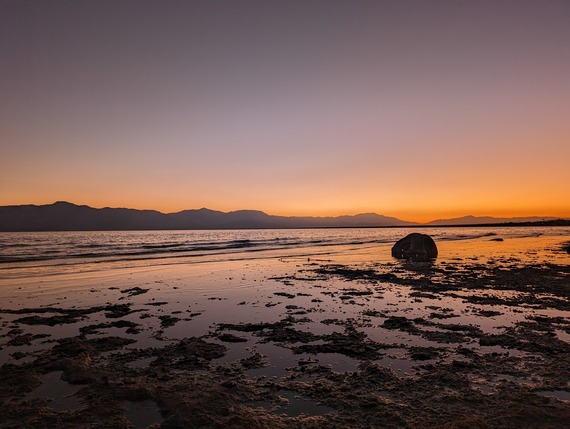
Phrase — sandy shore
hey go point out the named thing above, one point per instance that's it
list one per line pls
(480, 338)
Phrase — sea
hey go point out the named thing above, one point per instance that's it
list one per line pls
(43, 253)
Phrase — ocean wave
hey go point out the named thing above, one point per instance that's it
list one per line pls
(77, 248)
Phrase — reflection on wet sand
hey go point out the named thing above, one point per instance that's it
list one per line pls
(297, 341)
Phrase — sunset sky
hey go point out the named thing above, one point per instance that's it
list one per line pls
(414, 109)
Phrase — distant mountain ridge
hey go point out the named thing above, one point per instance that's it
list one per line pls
(64, 216)
(482, 220)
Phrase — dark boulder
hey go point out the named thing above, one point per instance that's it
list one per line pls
(416, 247)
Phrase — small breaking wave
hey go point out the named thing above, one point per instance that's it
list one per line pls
(85, 247)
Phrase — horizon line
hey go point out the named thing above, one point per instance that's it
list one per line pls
(530, 218)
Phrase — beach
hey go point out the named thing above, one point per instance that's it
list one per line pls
(285, 329)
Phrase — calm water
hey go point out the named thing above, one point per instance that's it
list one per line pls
(44, 252)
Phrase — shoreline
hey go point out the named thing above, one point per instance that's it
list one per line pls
(480, 337)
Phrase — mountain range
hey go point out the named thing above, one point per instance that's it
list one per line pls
(486, 220)
(64, 216)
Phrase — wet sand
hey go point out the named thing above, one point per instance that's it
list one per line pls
(354, 338)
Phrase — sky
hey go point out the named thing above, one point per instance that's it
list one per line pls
(414, 109)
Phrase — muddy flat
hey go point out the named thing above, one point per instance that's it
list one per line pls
(479, 337)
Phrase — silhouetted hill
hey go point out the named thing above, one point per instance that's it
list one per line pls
(64, 216)
(487, 220)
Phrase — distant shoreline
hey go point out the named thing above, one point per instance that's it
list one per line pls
(556, 223)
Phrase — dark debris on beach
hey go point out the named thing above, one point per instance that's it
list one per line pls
(466, 376)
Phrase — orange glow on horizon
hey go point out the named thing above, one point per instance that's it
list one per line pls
(422, 215)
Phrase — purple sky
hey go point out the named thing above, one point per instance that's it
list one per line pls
(414, 109)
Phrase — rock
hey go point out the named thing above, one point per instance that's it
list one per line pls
(417, 247)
